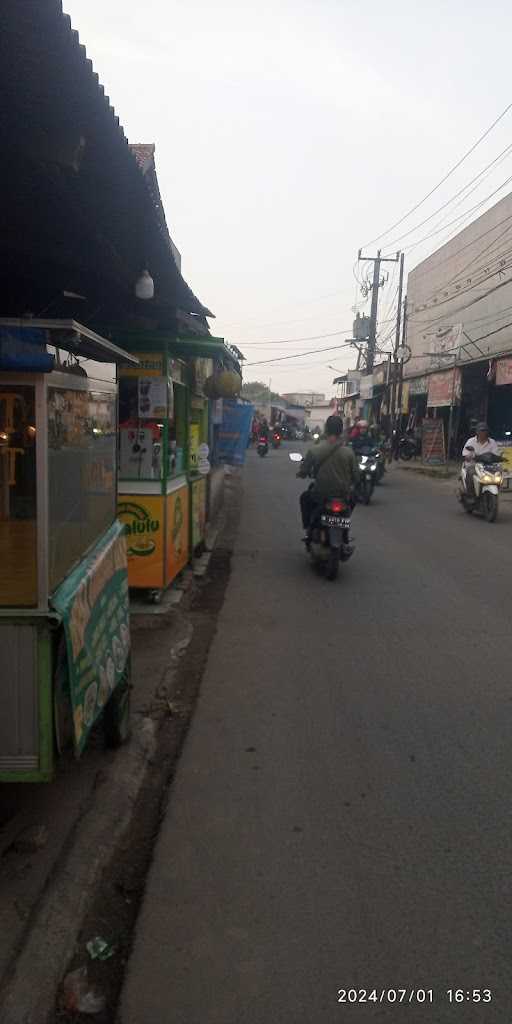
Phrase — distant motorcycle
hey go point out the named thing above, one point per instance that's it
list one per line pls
(328, 541)
(487, 480)
(262, 446)
(276, 439)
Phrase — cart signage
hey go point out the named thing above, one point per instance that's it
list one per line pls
(151, 364)
(93, 605)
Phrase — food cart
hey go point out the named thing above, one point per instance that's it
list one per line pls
(64, 626)
(154, 451)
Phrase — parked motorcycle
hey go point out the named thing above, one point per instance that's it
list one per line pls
(328, 541)
(262, 446)
(487, 480)
(408, 447)
(276, 439)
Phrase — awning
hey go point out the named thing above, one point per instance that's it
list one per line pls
(203, 348)
(73, 337)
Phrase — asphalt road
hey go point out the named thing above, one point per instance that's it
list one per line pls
(340, 817)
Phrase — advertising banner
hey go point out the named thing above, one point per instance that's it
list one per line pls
(432, 443)
(177, 543)
(444, 388)
(504, 371)
(93, 605)
(366, 386)
(143, 519)
(198, 517)
(418, 385)
(233, 435)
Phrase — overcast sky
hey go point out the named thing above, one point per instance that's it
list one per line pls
(291, 133)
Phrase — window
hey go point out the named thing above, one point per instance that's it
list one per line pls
(18, 505)
(81, 474)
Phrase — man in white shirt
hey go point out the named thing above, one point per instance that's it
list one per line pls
(474, 447)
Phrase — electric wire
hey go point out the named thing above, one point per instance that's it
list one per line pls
(443, 179)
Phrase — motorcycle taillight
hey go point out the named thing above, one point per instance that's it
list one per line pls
(336, 506)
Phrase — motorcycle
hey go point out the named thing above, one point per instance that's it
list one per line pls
(408, 447)
(367, 476)
(262, 446)
(276, 439)
(487, 480)
(328, 541)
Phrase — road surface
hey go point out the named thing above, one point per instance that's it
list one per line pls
(340, 818)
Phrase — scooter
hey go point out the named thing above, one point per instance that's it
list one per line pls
(367, 477)
(262, 446)
(328, 541)
(276, 439)
(408, 447)
(487, 480)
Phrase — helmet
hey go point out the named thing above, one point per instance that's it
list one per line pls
(482, 428)
(362, 423)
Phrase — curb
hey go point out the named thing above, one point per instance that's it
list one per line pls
(441, 473)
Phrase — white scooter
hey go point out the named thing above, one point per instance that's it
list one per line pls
(487, 481)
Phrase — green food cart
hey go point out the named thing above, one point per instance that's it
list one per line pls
(64, 621)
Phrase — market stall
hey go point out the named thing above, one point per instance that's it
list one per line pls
(64, 627)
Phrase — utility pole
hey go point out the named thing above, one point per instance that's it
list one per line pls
(397, 346)
(401, 370)
(376, 284)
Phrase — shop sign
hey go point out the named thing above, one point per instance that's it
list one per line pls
(504, 371)
(405, 397)
(150, 365)
(417, 385)
(445, 342)
(93, 604)
(432, 441)
(380, 375)
(444, 388)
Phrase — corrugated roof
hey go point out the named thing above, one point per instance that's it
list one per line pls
(77, 208)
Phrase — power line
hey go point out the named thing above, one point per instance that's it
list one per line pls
(501, 156)
(461, 216)
(442, 181)
(311, 352)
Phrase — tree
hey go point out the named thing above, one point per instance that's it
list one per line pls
(256, 390)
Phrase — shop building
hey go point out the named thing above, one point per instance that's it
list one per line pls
(459, 331)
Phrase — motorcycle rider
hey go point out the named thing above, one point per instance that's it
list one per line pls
(481, 443)
(334, 468)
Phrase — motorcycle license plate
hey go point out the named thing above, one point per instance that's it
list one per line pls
(335, 521)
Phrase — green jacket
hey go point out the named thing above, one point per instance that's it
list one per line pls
(334, 468)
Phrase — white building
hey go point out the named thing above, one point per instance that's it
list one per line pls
(459, 300)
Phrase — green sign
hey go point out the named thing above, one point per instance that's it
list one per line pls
(93, 604)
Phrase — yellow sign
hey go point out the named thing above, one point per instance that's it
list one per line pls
(151, 364)
(143, 518)
(177, 532)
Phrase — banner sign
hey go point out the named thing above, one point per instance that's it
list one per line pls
(93, 605)
(504, 371)
(233, 435)
(417, 385)
(444, 388)
(432, 442)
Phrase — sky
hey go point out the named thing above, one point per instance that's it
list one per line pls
(291, 134)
